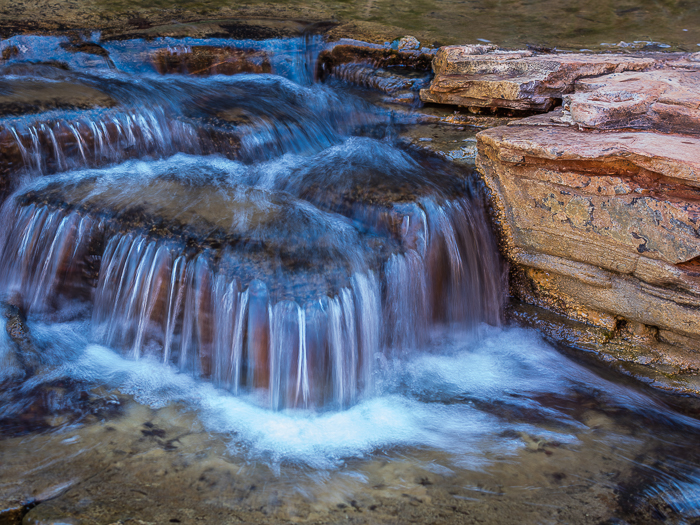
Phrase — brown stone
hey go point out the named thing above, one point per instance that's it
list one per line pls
(12, 512)
(664, 100)
(602, 228)
(10, 52)
(376, 56)
(483, 76)
(210, 60)
(20, 96)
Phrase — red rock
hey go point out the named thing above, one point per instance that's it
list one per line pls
(664, 100)
(483, 76)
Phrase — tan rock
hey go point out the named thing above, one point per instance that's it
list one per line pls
(602, 228)
(663, 100)
(620, 195)
(483, 76)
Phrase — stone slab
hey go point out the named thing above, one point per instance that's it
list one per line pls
(618, 195)
(666, 100)
(601, 227)
(484, 76)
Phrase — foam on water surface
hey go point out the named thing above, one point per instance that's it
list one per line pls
(448, 399)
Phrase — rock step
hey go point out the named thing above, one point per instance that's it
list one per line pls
(210, 60)
(485, 76)
(601, 227)
(246, 285)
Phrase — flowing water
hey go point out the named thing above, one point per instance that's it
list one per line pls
(245, 297)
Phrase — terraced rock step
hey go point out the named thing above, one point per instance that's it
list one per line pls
(282, 284)
(602, 228)
(484, 76)
(210, 60)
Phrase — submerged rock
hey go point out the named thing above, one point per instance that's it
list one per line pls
(210, 60)
(24, 94)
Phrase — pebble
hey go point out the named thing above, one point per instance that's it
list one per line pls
(409, 43)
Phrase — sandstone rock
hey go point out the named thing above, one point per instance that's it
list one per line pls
(601, 228)
(603, 189)
(483, 76)
(210, 60)
(663, 100)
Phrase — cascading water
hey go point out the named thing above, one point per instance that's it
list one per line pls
(286, 273)
(205, 225)
(249, 284)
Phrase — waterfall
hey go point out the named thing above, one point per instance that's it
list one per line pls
(89, 140)
(287, 266)
(44, 254)
(155, 297)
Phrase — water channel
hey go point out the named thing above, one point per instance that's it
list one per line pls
(251, 298)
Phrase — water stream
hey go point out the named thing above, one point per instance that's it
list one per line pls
(259, 261)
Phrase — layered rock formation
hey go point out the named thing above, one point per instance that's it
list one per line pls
(598, 205)
(484, 76)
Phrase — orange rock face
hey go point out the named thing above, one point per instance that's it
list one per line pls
(664, 100)
(483, 76)
(598, 207)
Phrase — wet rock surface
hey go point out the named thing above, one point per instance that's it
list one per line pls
(209, 60)
(278, 235)
(656, 358)
(22, 97)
